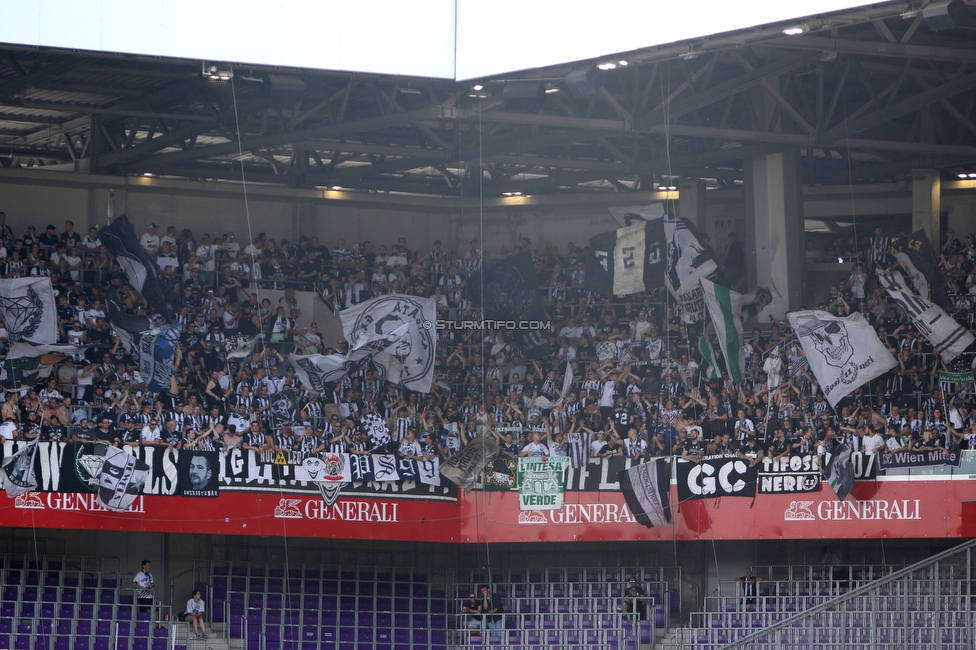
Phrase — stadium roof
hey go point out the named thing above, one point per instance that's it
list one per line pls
(862, 94)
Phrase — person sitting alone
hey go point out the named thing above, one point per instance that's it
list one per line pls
(195, 607)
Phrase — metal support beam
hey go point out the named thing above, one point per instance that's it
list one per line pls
(875, 48)
(328, 131)
(904, 107)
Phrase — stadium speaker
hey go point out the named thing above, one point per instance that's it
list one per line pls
(584, 82)
(287, 89)
(947, 14)
(524, 95)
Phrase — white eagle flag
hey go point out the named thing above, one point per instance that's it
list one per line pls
(844, 353)
(28, 310)
(947, 336)
(402, 331)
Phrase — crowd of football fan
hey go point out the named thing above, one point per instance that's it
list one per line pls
(639, 389)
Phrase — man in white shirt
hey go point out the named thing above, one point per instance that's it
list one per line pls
(8, 430)
(535, 447)
(91, 240)
(167, 258)
(150, 240)
(872, 442)
(206, 256)
(231, 245)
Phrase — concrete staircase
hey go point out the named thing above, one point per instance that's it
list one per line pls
(215, 640)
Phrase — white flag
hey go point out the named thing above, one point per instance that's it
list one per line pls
(844, 353)
(628, 260)
(544, 402)
(402, 331)
(725, 308)
(947, 336)
(28, 310)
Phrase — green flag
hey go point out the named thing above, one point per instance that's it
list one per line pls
(725, 308)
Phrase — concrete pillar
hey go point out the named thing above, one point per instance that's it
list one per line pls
(691, 203)
(775, 254)
(927, 203)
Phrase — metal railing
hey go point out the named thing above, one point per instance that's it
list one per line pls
(926, 605)
(556, 631)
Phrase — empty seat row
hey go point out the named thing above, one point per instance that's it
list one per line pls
(338, 603)
(221, 587)
(68, 611)
(68, 595)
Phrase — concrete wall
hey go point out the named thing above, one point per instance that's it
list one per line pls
(40, 197)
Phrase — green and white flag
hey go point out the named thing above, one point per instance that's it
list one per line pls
(956, 377)
(542, 482)
(711, 370)
(725, 308)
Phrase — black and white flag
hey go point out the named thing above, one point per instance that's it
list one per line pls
(688, 261)
(638, 257)
(121, 479)
(511, 293)
(599, 271)
(239, 346)
(18, 471)
(153, 348)
(844, 353)
(463, 468)
(646, 488)
(121, 241)
(318, 371)
(917, 259)
(284, 409)
(400, 331)
(947, 336)
(840, 471)
(28, 310)
(628, 215)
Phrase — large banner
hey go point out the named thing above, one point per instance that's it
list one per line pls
(264, 494)
(400, 329)
(716, 477)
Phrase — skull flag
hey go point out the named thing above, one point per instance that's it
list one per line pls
(844, 353)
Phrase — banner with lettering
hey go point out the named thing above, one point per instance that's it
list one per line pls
(789, 475)
(924, 458)
(716, 477)
(541, 482)
(77, 467)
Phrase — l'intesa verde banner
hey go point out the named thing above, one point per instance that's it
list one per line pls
(541, 482)
(243, 492)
